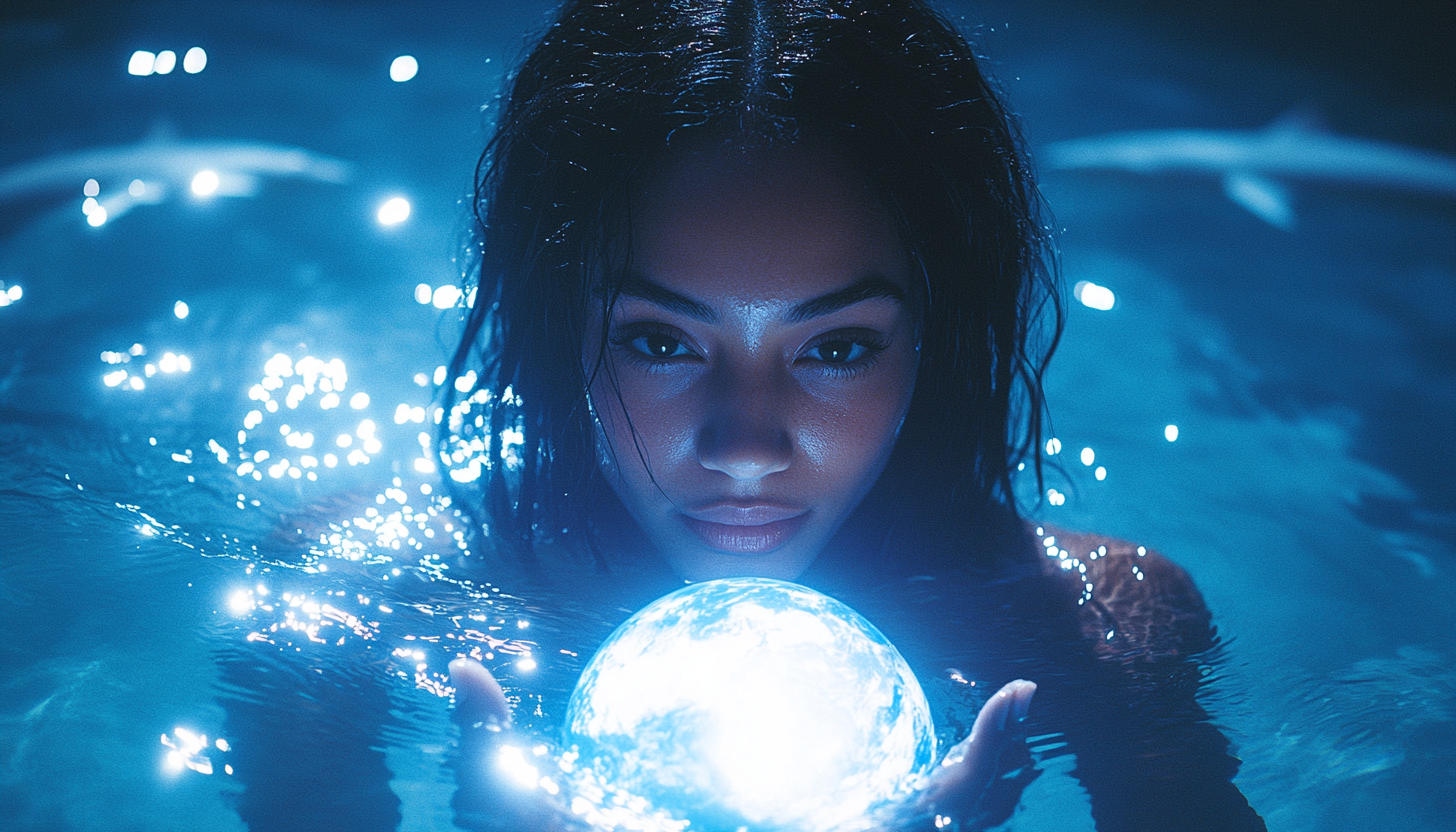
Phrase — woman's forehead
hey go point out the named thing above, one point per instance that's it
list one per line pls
(783, 223)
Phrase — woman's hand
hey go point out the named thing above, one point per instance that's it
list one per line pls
(951, 791)
(479, 700)
(955, 787)
(485, 796)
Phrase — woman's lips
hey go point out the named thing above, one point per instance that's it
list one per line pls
(745, 529)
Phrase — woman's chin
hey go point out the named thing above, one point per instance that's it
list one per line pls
(700, 563)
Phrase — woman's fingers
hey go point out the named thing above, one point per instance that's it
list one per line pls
(486, 798)
(955, 787)
(479, 699)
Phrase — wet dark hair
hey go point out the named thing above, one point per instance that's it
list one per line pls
(608, 89)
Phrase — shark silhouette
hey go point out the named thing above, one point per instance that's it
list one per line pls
(147, 172)
(1252, 163)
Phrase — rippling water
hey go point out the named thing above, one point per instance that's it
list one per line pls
(157, 586)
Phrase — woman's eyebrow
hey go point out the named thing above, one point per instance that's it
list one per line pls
(637, 286)
(867, 287)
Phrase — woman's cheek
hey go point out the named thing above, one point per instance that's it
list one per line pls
(658, 407)
(859, 421)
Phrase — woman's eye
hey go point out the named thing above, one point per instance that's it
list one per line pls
(657, 345)
(838, 352)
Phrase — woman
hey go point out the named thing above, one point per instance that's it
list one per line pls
(759, 286)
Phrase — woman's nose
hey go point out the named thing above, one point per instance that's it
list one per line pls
(744, 434)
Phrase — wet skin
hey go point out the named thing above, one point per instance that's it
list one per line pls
(759, 363)
(760, 359)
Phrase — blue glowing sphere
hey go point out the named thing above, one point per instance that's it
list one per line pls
(752, 702)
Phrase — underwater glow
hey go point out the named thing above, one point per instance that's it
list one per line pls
(165, 63)
(180, 309)
(10, 294)
(394, 211)
(758, 703)
(1093, 296)
(1170, 433)
(403, 68)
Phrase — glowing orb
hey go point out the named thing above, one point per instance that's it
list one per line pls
(752, 702)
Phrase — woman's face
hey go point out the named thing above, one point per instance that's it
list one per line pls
(760, 359)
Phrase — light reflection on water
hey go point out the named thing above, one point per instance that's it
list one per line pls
(250, 503)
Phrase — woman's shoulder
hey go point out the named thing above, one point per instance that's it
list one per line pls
(1132, 601)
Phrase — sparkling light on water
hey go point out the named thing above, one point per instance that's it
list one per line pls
(195, 60)
(403, 68)
(240, 602)
(169, 363)
(1093, 296)
(205, 183)
(394, 211)
(189, 749)
(758, 703)
(142, 62)
(445, 296)
(1170, 433)
(180, 309)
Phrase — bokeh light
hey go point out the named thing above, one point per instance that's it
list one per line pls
(394, 211)
(195, 60)
(445, 296)
(403, 68)
(205, 183)
(142, 62)
(1093, 296)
